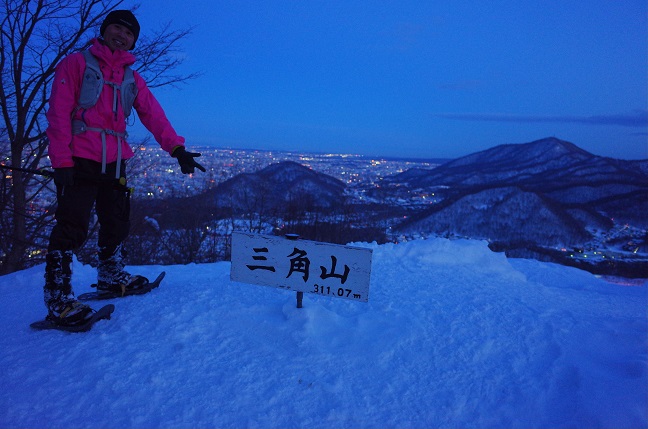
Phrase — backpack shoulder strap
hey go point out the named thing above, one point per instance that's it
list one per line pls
(128, 91)
(92, 83)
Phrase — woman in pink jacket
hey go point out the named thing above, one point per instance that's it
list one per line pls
(88, 150)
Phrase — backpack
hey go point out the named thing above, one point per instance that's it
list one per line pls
(93, 83)
(91, 87)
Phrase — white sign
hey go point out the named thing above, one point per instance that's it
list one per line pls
(300, 265)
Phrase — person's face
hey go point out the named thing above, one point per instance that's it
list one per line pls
(118, 37)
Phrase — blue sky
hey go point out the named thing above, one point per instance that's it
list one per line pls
(407, 78)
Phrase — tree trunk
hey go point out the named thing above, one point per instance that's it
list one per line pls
(15, 257)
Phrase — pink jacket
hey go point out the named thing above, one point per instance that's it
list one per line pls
(63, 145)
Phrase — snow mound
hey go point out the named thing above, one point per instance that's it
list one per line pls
(453, 335)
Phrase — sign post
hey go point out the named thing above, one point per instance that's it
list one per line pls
(300, 294)
(304, 266)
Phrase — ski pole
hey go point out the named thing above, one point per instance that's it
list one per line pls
(41, 172)
(119, 184)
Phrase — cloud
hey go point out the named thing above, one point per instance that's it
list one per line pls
(637, 118)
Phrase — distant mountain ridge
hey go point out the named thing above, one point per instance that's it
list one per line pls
(546, 162)
(532, 200)
(276, 190)
(279, 184)
(549, 192)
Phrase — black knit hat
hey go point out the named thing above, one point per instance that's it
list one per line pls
(125, 18)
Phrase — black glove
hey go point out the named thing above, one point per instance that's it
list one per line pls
(186, 160)
(64, 176)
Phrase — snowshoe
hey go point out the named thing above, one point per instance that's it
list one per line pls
(138, 286)
(131, 284)
(84, 324)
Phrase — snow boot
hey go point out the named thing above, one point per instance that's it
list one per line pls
(111, 276)
(63, 308)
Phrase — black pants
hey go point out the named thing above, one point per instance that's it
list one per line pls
(91, 188)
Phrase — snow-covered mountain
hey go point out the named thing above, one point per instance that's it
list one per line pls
(278, 184)
(281, 187)
(548, 193)
(536, 199)
(506, 213)
(541, 165)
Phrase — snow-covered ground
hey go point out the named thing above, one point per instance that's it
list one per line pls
(454, 335)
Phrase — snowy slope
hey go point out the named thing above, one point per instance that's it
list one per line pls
(453, 336)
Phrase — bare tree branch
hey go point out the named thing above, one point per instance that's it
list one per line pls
(35, 36)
